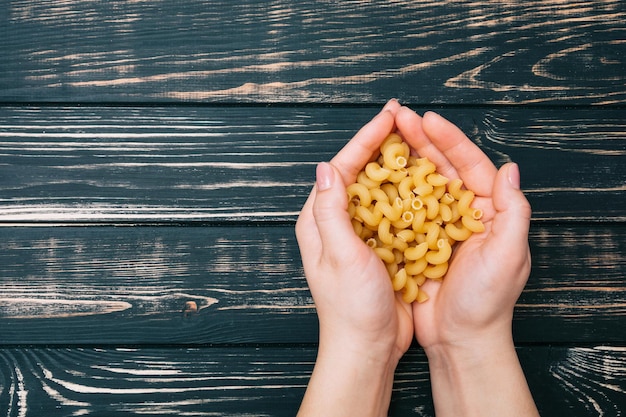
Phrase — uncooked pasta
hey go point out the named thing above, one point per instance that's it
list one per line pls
(411, 216)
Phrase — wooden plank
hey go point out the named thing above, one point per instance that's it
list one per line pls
(215, 164)
(537, 51)
(131, 285)
(241, 381)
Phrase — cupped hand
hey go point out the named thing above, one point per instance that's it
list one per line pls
(356, 305)
(487, 272)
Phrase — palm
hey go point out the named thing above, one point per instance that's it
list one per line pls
(383, 312)
(456, 301)
(372, 309)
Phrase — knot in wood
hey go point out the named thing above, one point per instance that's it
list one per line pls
(190, 308)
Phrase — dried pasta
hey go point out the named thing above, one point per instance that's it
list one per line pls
(411, 216)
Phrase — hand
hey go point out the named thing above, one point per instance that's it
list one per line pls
(465, 326)
(488, 271)
(364, 326)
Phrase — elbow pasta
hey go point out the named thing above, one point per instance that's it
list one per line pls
(411, 216)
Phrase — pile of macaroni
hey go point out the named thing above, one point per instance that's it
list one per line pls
(411, 216)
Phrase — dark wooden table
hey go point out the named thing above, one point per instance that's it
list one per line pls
(154, 155)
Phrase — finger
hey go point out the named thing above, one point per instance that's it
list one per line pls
(331, 216)
(472, 165)
(353, 157)
(306, 230)
(510, 225)
(409, 125)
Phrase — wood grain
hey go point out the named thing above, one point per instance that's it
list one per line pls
(216, 164)
(175, 143)
(579, 381)
(130, 285)
(239, 381)
(283, 51)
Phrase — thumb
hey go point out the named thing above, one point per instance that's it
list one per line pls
(331, 214)
(512, 219)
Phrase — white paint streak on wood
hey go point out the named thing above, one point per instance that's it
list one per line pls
(278, 66)
(125, 135)
(38, 308)
(67, 306)
(242, 184)
(64, 401)
(22, 393)
(260, 290)
(589, 374)
(284, 89)
(286, 309)
(541, 190)
(229, 165)
(56, 395)
(130, 213)
(163, 376)
(86, 389)
(573, 311)
(139, 372)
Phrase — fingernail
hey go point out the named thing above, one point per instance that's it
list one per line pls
(387, 107)
(390, 102)
(514, 176)
(324, 176)
(432, 114)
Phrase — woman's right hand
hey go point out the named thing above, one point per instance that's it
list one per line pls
(465, 326)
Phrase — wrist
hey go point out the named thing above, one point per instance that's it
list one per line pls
(464, 371)
(350, 380)
(380, 351)
(470, 352)
(366, 363)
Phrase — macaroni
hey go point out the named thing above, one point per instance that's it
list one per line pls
(454, 188)
(379, 195)
(392, 212)
(464, 202)
(417, 267)
(369, 218)
(376, 172)
(472, 224)
(362, 178)
(399, 280)
(384, 232)
(459, 234)
(436, 271)
(416, 252)
(432, 206)
(406, 235)
(441, 255)
(411, 216)
(361, 191)
(397, 175)
(405, 188)
(446, 212)
(410, 290)
(395, 156)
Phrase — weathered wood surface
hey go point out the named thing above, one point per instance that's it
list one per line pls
(147, 164)
(267, 381)
(538, 51)
(154, 155)
(130, 285)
